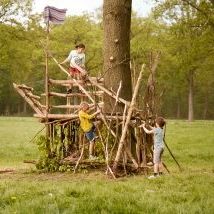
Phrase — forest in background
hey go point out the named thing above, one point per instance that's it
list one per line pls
(181, 32)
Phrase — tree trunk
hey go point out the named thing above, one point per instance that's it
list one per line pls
(7, 110)
(205, 107)
(178, 113)
(24, 107)
(116, 52)
(190, 100)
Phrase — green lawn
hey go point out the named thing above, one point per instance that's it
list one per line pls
(27, 191)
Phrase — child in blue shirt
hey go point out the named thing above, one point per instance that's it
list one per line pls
(158, 144)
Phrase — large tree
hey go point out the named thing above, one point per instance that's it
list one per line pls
(116, 51)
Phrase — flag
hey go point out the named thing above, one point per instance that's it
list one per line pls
(55, 15)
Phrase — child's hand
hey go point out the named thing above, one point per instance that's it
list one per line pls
(142, 125)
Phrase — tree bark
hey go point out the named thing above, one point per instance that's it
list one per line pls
(24, 107)
(178, 113)
(116, 51)
(205, 107)
(190, 99)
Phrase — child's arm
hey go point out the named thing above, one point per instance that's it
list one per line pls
(67, 59)
(97, 112)
(89, 116)
(146, 130)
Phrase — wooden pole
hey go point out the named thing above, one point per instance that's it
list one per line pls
(170, 152)
(46, 79)
(124, 132)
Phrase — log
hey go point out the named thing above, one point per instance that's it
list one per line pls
(30, 161)
(25, 87)
(32, 95)
(6, 170)
(97, 93)
(41, 107)
(71, 82)
(29, 101)
(57, 116)
(74, 106)
(124, 132)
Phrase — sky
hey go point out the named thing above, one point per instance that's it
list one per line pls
(77, 7)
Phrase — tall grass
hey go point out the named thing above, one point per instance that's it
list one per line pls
(191, 191)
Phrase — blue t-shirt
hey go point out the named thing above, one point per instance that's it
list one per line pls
(158, 138)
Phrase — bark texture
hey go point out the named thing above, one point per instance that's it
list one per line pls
(116, 51)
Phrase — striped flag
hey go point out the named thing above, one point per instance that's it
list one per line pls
(55, 15)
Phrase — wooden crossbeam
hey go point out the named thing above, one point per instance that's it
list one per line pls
(96, 93)
(75, 116)
(57, 116)
(74, 106)
(72, 82)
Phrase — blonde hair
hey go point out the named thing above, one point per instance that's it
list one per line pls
(83, 104)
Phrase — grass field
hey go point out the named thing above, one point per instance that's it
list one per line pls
(27, 191)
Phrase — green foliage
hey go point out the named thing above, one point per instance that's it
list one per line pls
(182, 31)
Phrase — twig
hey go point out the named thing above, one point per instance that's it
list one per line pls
(115, 104)
(105, 153)
(36, 135)
(82, 151)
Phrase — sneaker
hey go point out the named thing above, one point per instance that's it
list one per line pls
(153, 176)
(149, 164)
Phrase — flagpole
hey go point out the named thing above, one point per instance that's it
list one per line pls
(47, 78)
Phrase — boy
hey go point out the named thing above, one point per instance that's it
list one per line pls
(158, 145)
(77, 61)
(87, 126)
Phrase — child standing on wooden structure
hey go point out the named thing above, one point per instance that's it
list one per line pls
(158, 145)
(77, 62)
(87, 126)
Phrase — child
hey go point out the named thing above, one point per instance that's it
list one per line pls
(158, 145)
(77, 61)
(87, 126)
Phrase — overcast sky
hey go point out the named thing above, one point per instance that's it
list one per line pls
(76, 7)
